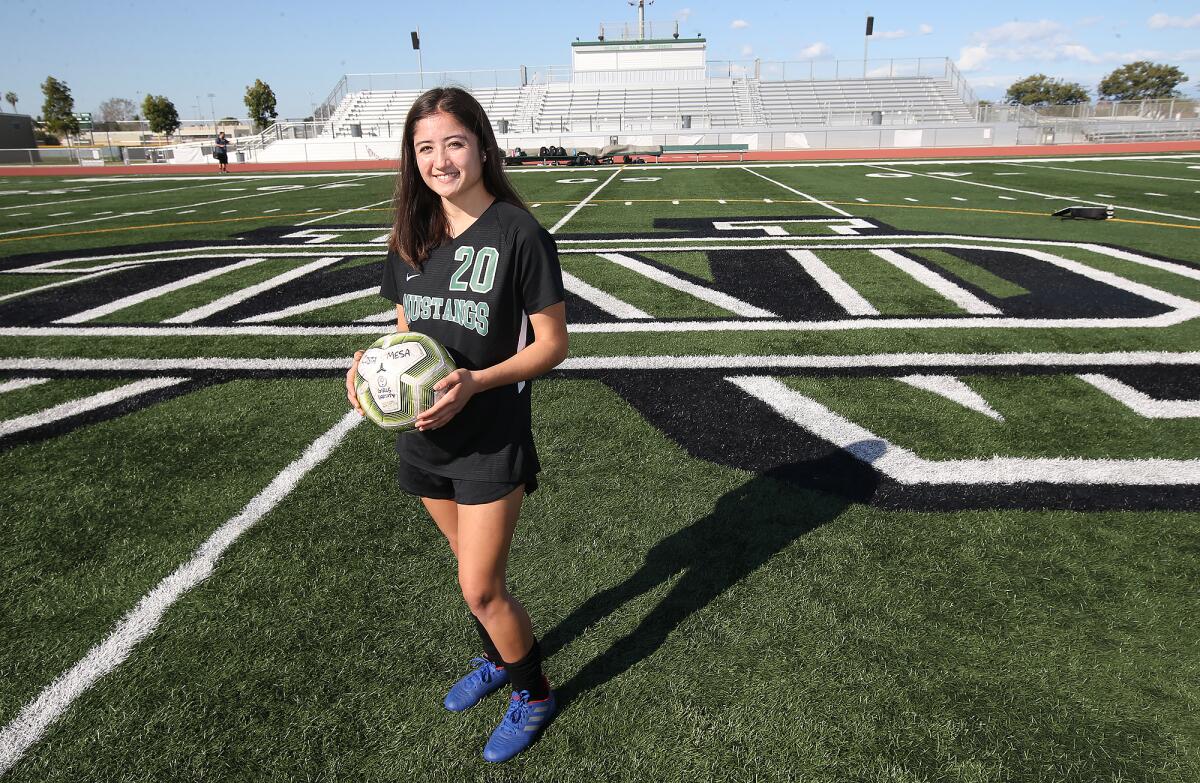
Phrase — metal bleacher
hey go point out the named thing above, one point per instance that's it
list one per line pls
(706, 104)
(901, 100)
(713, 103)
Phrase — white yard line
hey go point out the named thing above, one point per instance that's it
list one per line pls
(153, 293)
(111, 196)
(85, 404)
(790, 189)
(1036, 193)
(308, 307)
(910, 469)
(141, 621)
(378, 318)
(346, 212)
(718, 298)
(225, 302)
(605, 301)
(935, 282)
(1105, 173)
(833, 284)
(58, 284)
(21, 383)
(160, 209)
(1141, 403)
(223, 179)
(563, 220)
(955, 390)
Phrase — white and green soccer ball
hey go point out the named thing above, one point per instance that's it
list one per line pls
(396, 377)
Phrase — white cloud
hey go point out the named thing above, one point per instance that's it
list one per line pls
(972, 58)
(747, 51)
(1077, 52)
(739, 24)
(1041, 41)
(815, 51)
(1160, 21)
(925, 29)
(683, 14)
(1015, 32)
(889, 35)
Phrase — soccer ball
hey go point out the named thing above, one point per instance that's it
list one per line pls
(396, 377)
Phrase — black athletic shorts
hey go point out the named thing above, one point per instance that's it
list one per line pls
(223, 158)
(419, 482)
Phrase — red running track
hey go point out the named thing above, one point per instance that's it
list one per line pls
(679, 157)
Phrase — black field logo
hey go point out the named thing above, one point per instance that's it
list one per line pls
(901, 369)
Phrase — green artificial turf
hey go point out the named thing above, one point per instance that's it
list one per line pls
(701, 622)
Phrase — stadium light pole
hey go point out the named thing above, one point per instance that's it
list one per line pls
(416, 44)
(867, 40)
(213, 111)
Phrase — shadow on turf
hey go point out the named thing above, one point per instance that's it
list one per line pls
(745, 529)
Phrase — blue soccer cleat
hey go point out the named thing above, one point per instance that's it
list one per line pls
(520, 726)
(487, 678)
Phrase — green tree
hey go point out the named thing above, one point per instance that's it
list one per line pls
(161, 114)
(1142, 79)
(11, 97)
(1040, 90)
(58, 108)
(260, 102)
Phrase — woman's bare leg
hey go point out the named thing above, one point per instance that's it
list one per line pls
(484, 533)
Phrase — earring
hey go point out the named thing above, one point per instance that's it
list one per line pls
(485, 157)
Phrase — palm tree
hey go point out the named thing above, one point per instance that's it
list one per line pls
(11, 97)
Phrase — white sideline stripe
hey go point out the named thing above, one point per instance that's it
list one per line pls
(790, 189)
(907, 468)
(584, 246)
(36, 716)
(1107, 173)
(339, 214)
(563, 220)
(883, 361)
(85, 404)
(718, 298)
(60, 283)
(1172, 318)
(935, 282)
(1167, 157)
(833, 284)
(225, 302)
(1141, 403)
(605, 301)
(153, 293)
(21, 383)
(1036, 193)
(308, 307)
(953, 389)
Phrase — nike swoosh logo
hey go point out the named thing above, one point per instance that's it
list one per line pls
(410, 277)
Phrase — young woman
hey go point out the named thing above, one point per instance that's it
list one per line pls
(470, 267)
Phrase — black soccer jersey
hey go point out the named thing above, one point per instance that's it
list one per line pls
(474, 295)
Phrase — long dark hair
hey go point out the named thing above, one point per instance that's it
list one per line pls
(420, 221)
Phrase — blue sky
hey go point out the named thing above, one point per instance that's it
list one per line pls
(187, 50)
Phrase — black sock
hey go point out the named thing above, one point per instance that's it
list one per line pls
(526, 674)
(489, 648)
